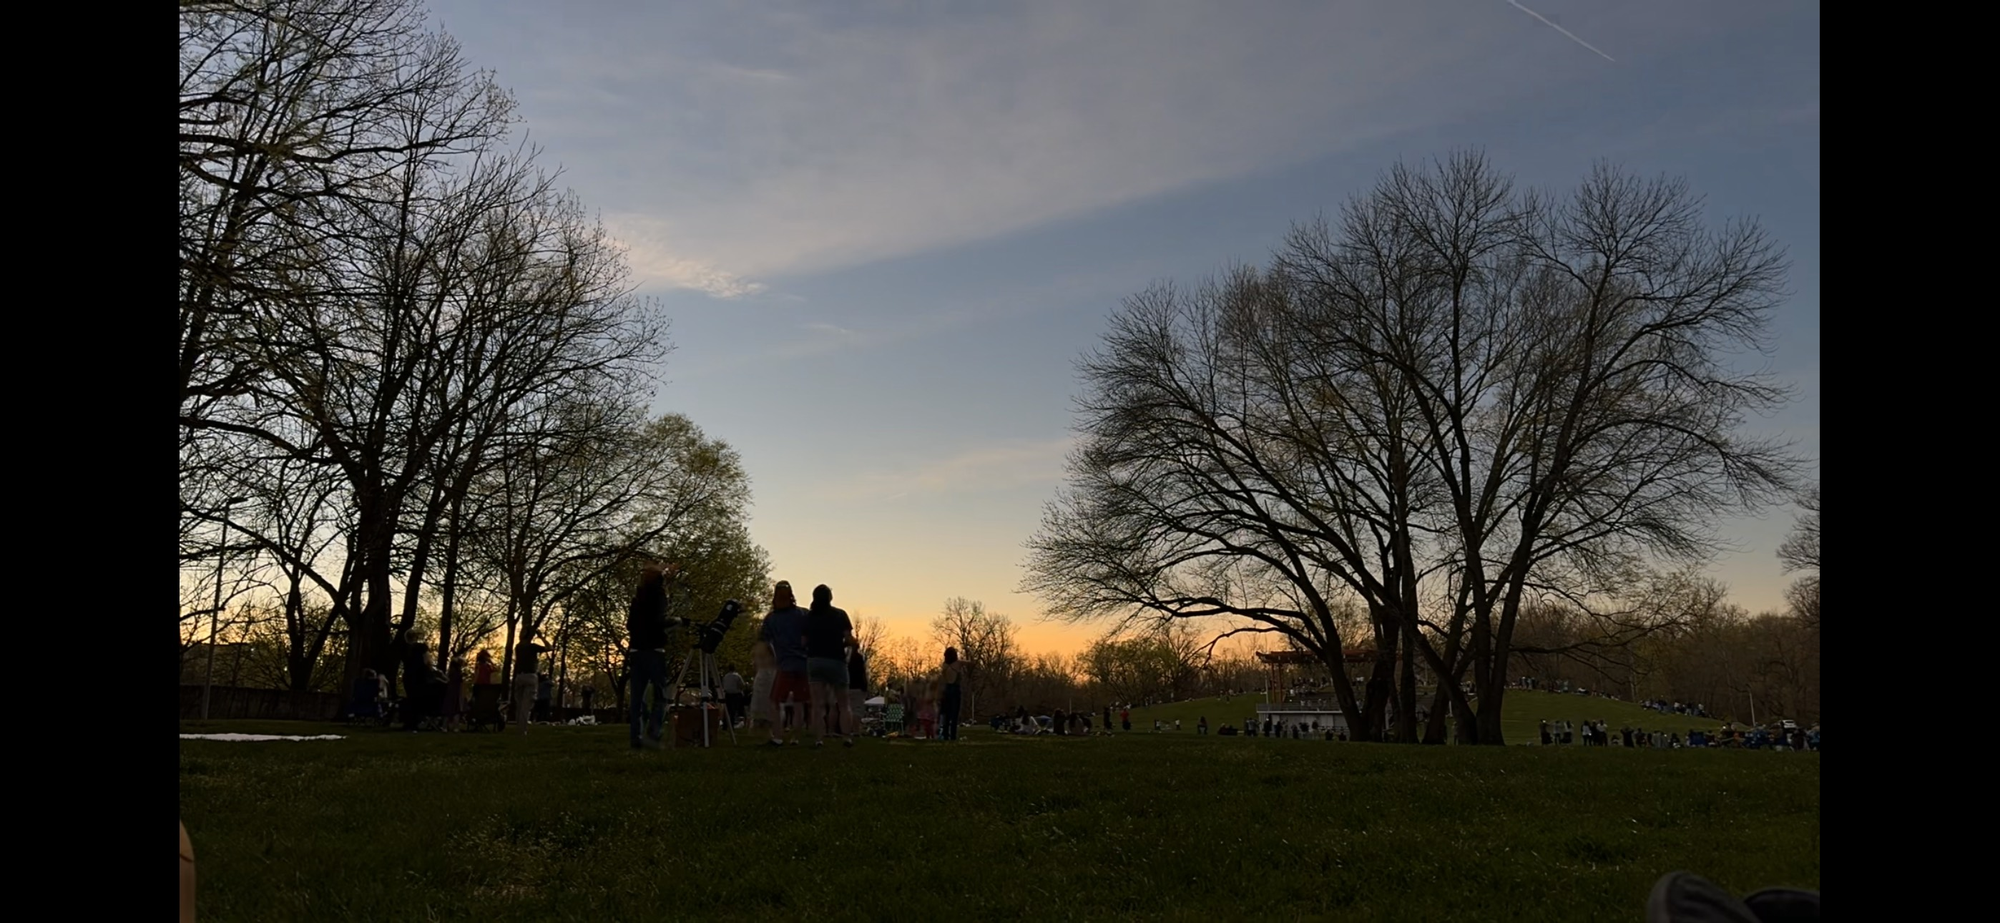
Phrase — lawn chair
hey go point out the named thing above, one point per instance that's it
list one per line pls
(892, 720)
(486, 711)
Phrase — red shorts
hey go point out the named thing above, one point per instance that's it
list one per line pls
(793, 686)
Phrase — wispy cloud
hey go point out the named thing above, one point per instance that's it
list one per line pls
(1572, 35)
(778, 139)
(818, 338)
(654, 262)
(995, 466)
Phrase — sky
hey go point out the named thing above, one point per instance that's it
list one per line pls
(885, 232)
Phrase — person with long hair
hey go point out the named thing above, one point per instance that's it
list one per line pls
(828, 632)
(950, 677)
(791, 694)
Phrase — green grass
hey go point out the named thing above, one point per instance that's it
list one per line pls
(1521, 713)
(569, 824)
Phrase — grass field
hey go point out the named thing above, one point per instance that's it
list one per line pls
(1522, 711)
(569, 824)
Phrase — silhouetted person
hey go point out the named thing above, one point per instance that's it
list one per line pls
(646, 625)
(952, 678)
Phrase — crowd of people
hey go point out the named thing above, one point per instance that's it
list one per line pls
(441, 700)
(811, 679)
(810, 676)
(1784, 735)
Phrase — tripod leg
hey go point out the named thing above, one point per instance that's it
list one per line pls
(707, 679)
(686, 663)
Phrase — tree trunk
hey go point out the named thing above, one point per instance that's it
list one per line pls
(1406, 699)
(450, 594)
(1381, 678)
(1436, 730)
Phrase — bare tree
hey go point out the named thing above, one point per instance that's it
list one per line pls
(869, 633)
(986, 644)
(284, 104)
(601, 489)
(1456, 402)
(1800, 552)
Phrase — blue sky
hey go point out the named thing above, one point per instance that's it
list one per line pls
(885, 231)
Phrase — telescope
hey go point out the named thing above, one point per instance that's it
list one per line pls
(708, 637)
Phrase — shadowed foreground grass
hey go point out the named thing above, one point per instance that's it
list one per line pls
(568, 824)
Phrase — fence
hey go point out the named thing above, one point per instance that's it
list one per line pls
(264, 704)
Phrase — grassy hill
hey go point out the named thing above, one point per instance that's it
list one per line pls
(1521, 712)
(568, 824)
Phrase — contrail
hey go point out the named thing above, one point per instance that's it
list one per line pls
(1572, 36)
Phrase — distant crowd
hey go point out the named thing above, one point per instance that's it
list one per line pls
(1780, 736)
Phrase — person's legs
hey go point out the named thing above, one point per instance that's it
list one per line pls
(792, 697)
(524, 699)
(829, 694)
(649, 672)
(950, 713)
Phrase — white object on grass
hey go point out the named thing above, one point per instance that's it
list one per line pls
(257, 737)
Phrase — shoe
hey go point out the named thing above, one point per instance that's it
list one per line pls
(819, 745)
(1784, 905)
(774, 742)
(849, 742)
(1683, 897)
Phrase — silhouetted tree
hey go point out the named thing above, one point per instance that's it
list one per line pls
(1456, 401)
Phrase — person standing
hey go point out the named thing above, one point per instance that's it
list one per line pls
(791, 692)
(828, 633)
(951, 676)
(1125, 718)
(545, 692)
(766, 676)
(857, 688)
(588, 693)
(526, 684)
(646, 628)
(732, 696)
(423, 687)
(454, 695)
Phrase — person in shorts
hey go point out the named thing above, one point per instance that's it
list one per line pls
(828, 633)
(791, 694)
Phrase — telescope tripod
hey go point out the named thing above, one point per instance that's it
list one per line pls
(705, 700)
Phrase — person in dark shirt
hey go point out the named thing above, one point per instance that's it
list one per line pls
(647, 625)
(422, 691)
(828, 634)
